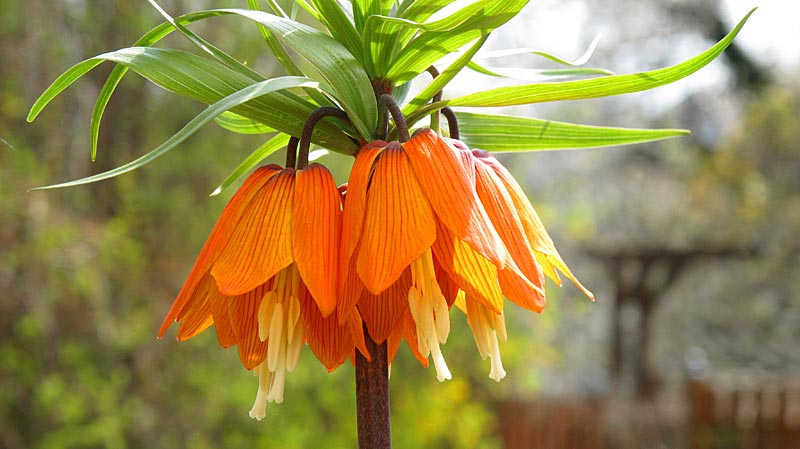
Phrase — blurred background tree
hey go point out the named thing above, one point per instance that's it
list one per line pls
(87, 274)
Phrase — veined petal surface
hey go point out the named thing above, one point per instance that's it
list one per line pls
(261, 245)
(316, 233)
(399, 224)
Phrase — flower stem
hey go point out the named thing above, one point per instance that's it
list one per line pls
(372, 397)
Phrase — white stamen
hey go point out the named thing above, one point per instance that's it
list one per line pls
(275, 341)
(487, 327)
(430, 313)
(259, 410)
(280, 326)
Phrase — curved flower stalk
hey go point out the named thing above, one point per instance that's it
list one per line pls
(264, 278)
(425, 222)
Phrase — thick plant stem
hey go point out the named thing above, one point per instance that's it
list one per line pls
(372, 397)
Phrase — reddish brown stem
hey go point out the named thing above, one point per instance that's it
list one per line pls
(372, 397)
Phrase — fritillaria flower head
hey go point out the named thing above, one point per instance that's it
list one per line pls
(264, 278)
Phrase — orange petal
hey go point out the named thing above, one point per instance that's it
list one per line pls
(517, 288)
(399, 224)
(222, 321)
(355, 203)
(243, 313)
(218, 239)
(261, 245)
(316, 233)
(351, 293)
(382, 312)
(540, 241)
(472, 272)
(330, 342)
(449, 188)
(356, 326)
(501, 211)
(408, 329)
(196, 316)
(447, 286)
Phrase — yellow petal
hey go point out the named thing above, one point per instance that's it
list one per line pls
(519, 289)
(472, 272)
(316, 234)
(449, 188)
(261, 245)
(540, 241)
(399, 224)
(501, 211)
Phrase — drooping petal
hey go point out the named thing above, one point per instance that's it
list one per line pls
(222, 320)
(355, 203)
(472, 272)
(218, 238)
(350, 294)
(382, 312)
(330, 342)
(405, 328)
(399, 224)
(501, 211)
(448, 187)
(196, 316)
(520, 290)
(261, 245)
(316, 233)
(243, 314)
(540, 241)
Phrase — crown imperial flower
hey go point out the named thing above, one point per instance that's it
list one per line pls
(266, 278)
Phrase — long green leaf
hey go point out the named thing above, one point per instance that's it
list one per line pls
(453, 32)
(116, 75)
(230, 101)
(338, 67)
(208, 47)
(340, 25)
(509, 133)
(538, 74)
(444, 78)
(241, 125)
(270, 146)
(208, 81)
(597, 87)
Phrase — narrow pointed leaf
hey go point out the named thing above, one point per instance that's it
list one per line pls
(583, 59)
(340, 25)
(196, 123)
(509, 133)
(445, 77)
(598, 87)
(116, 75)
(339, 68)
(537, 74)
(471, 22)
(241, 125)
(208, 81)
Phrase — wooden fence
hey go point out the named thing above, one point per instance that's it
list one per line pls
(763, 415)
(546, 424)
